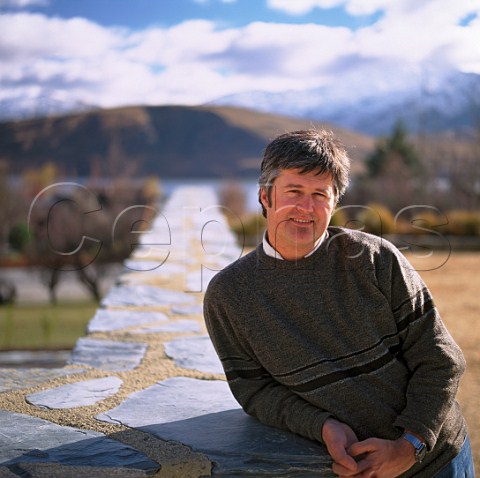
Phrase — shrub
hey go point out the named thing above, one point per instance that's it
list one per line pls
(465, 223)
(422, 220)
(340, 217)
(375, 219)
(249, 228)
(19, 237)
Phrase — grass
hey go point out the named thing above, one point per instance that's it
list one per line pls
(44, 326)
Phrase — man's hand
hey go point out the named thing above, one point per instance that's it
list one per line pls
(379, 458)
(338, 438)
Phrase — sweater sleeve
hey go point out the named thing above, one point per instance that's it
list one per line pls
(259, 394)
(434, 360)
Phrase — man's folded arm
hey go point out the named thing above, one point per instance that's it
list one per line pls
(273, 404)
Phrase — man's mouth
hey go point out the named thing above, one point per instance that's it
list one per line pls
(302, 221)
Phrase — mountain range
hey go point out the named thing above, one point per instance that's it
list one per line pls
(366, 99)
(226, 139)
(168, 141)
(435, 102)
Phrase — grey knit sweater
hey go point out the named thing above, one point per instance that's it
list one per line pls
(349, 332)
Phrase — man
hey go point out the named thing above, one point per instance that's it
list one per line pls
(331, 334)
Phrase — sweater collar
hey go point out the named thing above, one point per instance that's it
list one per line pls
(271, 252)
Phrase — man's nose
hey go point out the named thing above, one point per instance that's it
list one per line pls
(305, 203)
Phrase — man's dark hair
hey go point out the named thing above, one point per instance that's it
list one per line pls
(306, 150)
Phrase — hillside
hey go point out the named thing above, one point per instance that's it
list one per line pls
(168, 141)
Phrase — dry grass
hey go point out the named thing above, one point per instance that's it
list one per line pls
(455, 285)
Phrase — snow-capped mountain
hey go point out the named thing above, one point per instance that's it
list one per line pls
(20, 108)
(425, 103)
(369, 100)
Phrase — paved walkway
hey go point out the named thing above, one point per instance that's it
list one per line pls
(144, 393)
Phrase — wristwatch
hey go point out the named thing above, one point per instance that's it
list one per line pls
(420, 446)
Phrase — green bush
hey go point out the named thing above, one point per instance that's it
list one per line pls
(19, 237)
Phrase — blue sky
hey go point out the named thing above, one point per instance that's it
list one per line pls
(138, 14)
(116, 52)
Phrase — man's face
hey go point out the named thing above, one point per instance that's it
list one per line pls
(299, 212)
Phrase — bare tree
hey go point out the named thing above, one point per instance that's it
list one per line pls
(76, 231)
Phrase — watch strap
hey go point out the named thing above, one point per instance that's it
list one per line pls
(419, 445)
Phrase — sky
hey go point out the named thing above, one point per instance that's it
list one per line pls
(120, 52)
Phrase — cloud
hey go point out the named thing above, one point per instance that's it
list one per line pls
(354, 7)
(28, 36)
(197, 60)
(301, 7)
(420, 32)
(23, 3)
(289, 52)
(368, 7)
(185, 42)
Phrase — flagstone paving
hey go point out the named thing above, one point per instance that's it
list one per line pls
(184, 325)
(17, 379)
(196, 353)
(107, 354)
(143, 296)
(78, 394)
(107, 320)
(143, 393)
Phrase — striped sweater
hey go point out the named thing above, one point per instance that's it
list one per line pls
(349, 332)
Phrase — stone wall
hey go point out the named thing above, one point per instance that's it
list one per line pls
(143, 393)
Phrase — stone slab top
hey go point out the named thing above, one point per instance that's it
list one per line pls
(107, 354)
(26, 439)
(234, 440)
(79, 394)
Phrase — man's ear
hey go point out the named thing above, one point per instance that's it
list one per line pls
(264, 198)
